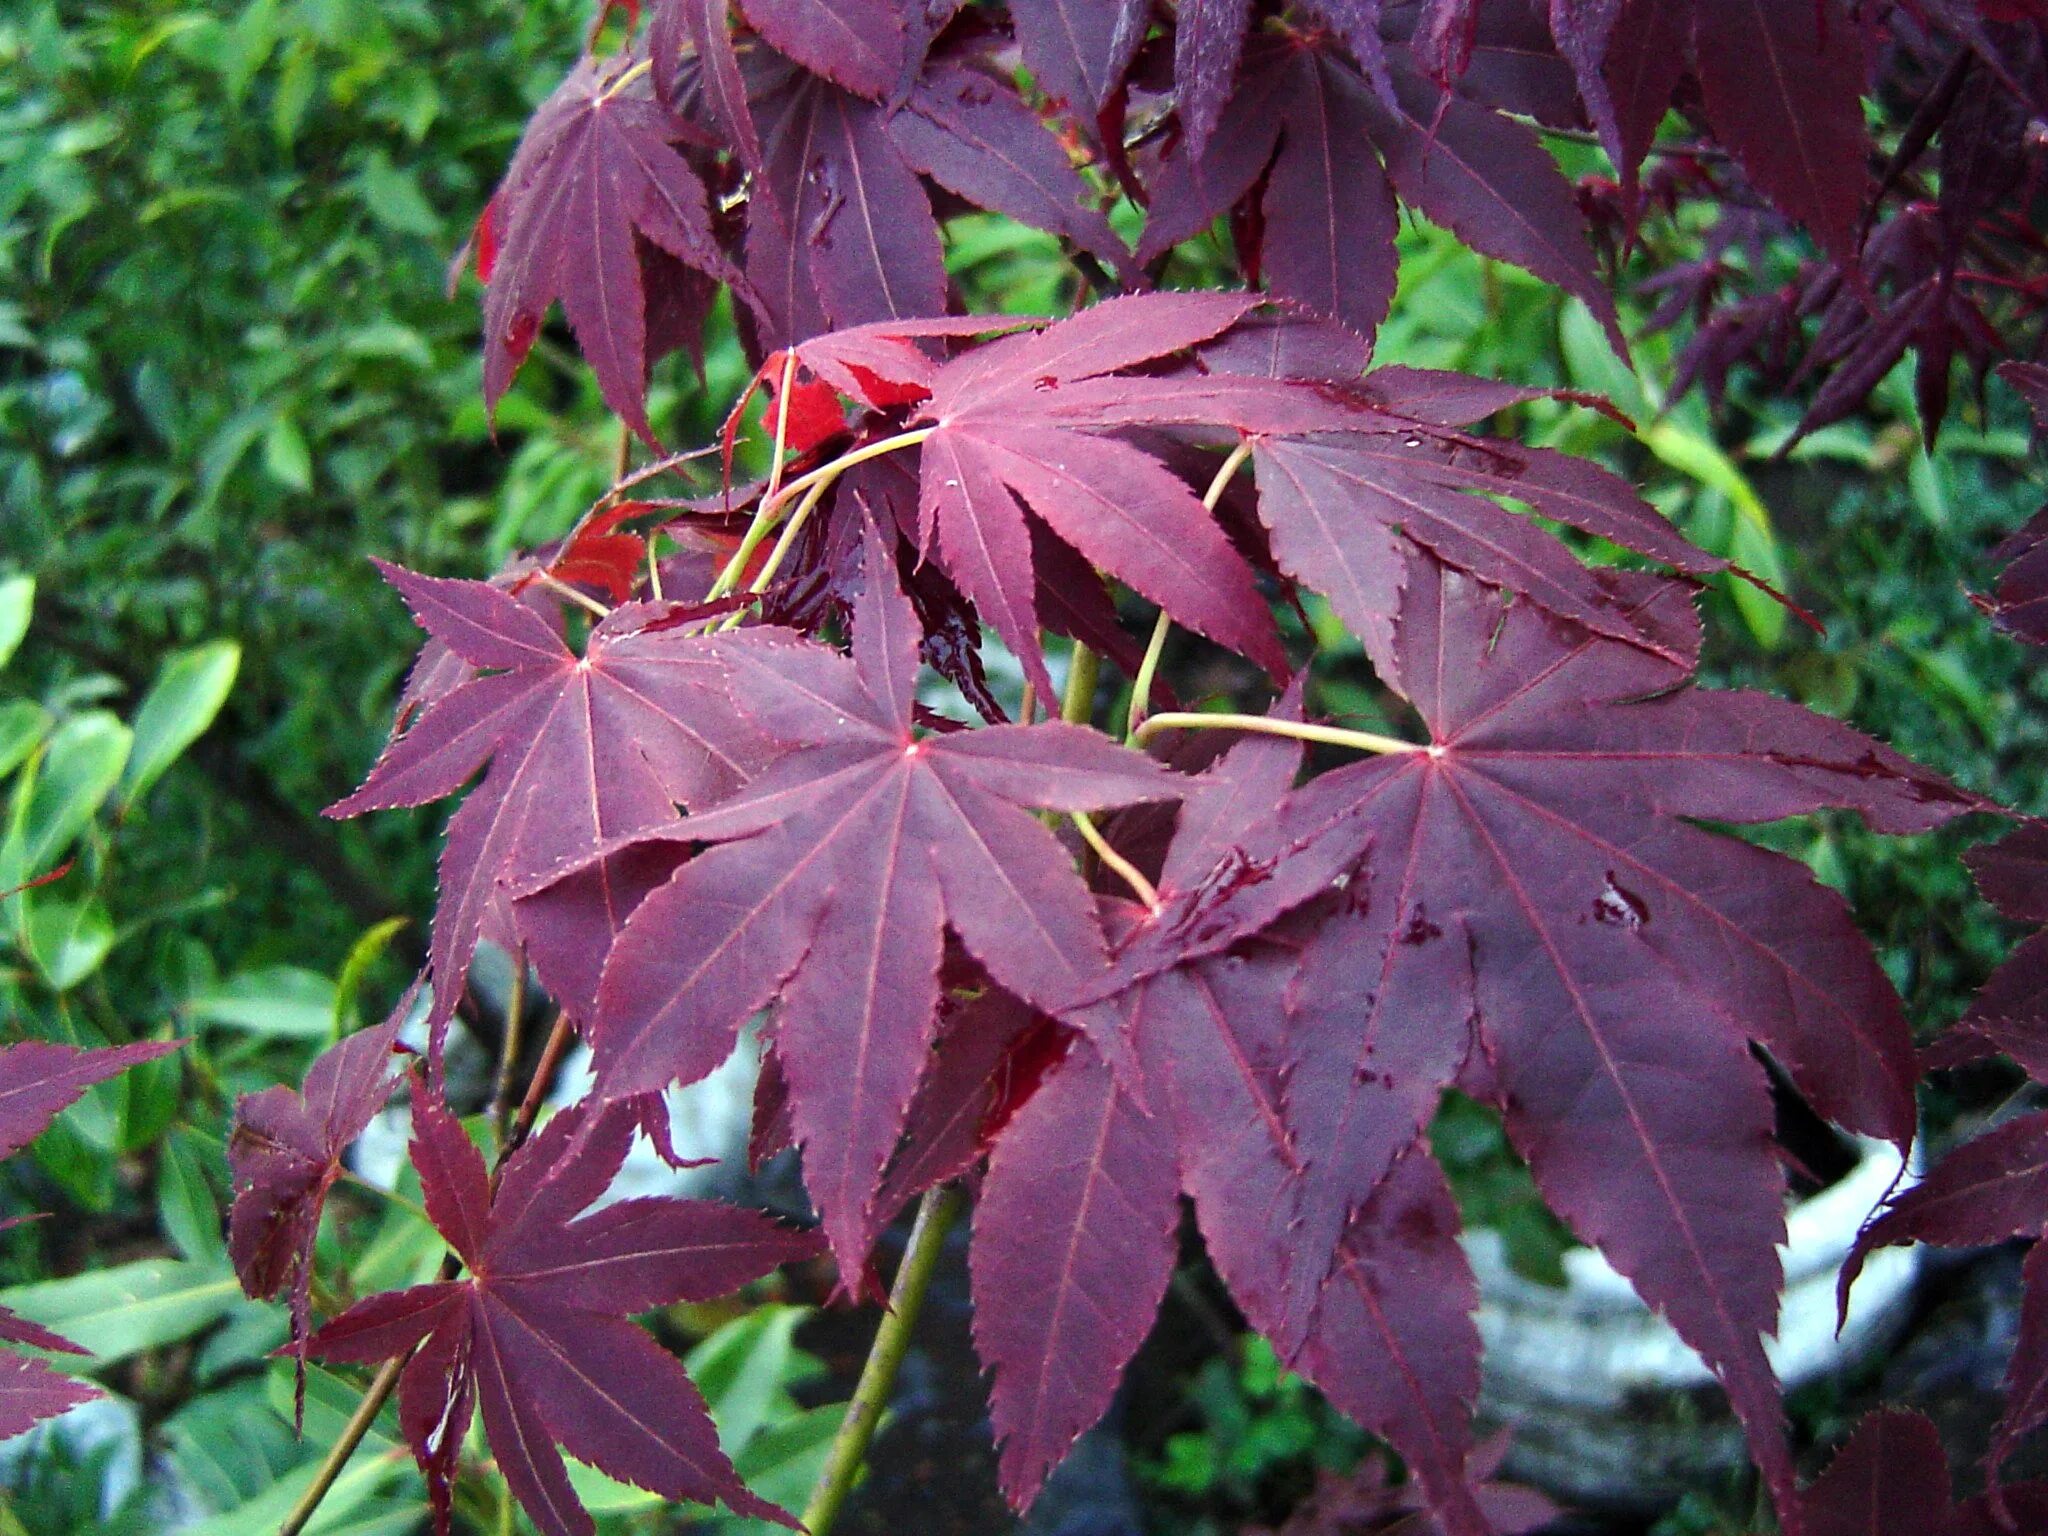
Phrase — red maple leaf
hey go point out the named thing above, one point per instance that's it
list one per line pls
(38, 1082)
(835, 875)
(582, 750)
(537, 1335)
(285, 1153)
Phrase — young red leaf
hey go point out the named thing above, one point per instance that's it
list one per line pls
(999, 442)
(1073, 1247)
(1623, 957)
(581, 750)
(538, 1336)
(833, 878)
(285, 1153)
(595, 174)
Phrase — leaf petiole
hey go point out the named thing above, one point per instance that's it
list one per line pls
(1144, 889)
(767, 515)
(1326, 735)
(1141, 686)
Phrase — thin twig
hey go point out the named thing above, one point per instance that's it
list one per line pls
(508, 1053)
(352, 1434)
(537, 1087)
(935, 1216)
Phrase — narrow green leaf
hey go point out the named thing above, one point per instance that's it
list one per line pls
(189, 691)
(17, 598)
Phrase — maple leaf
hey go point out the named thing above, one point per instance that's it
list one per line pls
(1892, 1479)
(1782, 86)
(1302, 129)
(1621, 958)
(2019, 602)
(1995, 1187)
(846, 235)
(833, 877)
(285, 1153)
(38, 1082)
(537, 1336)
(1342, 508)
(1002, 437)
(595, 175)
(581, 750)
(1200, 983)
(1072, 1249)
(1078, 50)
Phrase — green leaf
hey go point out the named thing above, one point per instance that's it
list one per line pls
(68, 940)
(364, 953)
(281, 1001)
(228, 1446)
(186, 1204)
(744, 1370)
(286, 458)
(23, 724)
(1752, 542)
(118, 1312)
(17, 598)
(79, 768)
(352, 1507)
(782, 1463)
(190, 688)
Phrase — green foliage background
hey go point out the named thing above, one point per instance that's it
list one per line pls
(230, 370)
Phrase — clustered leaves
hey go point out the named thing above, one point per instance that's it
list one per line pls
(710, 785)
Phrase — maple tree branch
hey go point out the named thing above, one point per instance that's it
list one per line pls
(1327, 735)
(537, 1086)
(352, 1433)
(1142, 888)
(1141, 685)
(508, 1051)
(936, 1214)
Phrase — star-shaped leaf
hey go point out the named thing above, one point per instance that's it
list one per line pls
(1001, 441)
(596, 174)
(537, 1335)
(833, 879)
(582, 750)
(38, 1082)
(1622, 957)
